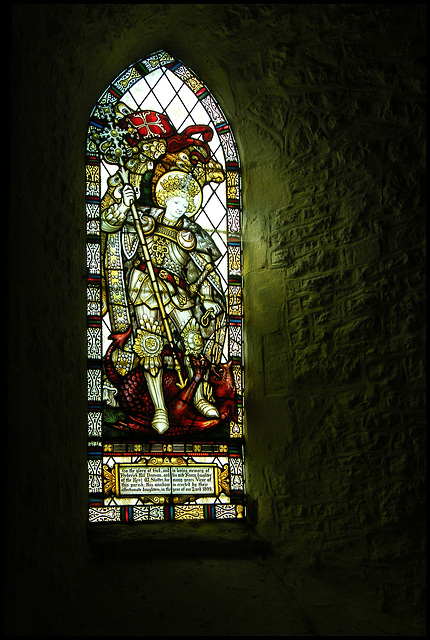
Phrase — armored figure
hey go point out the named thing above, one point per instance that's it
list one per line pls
(173, 292)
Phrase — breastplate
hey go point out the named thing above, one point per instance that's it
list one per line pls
(169, 248)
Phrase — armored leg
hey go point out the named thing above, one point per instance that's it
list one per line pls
(148, 345)
(160, 421)
(194, 344)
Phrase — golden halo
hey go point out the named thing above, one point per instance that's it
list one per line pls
(173, 183)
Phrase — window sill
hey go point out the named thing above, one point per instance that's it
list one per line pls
(176, 538)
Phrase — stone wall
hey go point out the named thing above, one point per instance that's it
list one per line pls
(338, 289)
(327, 103)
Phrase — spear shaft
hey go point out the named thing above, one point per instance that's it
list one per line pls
(154, 282)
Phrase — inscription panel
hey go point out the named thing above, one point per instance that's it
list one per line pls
(137, 479)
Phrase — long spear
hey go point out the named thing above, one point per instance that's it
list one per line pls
(154, 282)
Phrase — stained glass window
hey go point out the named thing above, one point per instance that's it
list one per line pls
(164, 301)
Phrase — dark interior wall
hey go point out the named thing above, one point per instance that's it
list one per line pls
(327, 103)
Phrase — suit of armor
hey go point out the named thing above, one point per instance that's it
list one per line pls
(186, 294)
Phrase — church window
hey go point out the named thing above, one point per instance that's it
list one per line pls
(164, 301)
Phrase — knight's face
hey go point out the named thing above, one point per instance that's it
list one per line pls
(176, 206)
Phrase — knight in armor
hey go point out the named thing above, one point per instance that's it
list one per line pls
(183, 257)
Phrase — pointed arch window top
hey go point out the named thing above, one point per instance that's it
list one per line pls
(164, 84)
(164, 301)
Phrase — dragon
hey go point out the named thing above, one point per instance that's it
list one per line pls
(134, 398)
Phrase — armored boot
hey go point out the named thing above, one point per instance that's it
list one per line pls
(203, 406)
(160, 421)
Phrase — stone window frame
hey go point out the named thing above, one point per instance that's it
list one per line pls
(98, 511)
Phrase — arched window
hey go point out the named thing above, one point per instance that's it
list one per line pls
(164, 301)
